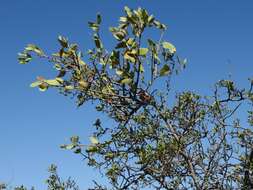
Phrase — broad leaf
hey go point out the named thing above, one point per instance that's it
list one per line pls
(129, 57)
(53, 82)
(94, 140)
(35, 84)
(35, 49)
(126, 81)
(165, 70)
(169, 46)
(143, 51)
(63, 41)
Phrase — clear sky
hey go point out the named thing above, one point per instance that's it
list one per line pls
(216, 36)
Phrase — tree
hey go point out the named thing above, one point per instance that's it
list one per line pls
(159, 139)
(54, 182)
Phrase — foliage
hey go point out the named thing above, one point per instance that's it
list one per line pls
(188, 141)
(54, 182)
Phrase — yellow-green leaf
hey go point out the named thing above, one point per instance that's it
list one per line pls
(35, 84)
(126, 81)
(63, 41)
(83, 84)
(119, 72)
(169, 46)
(69, 146)
(24, 57)
(60, 80)
(122, 19)
(81, 62)
(165, 70)
(99, 18)
(143, 51)
(128, 11)
(69, 87)
(94, 140)
(34, 48)
(141, 68)
(93, 26)
(129, 57)
(52, 82)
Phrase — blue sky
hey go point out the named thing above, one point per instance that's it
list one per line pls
(215, 36)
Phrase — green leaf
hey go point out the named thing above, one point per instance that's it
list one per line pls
(182, 62)
(34, 48)
(126, 81)
(118, 33)
(69, 87)
(151, 19)
(60, 80)
(78, 151)
(57, 67)
(123, 19)
(159, 25)
(98, 42)
(129, 57)
(143, 51)
(119, 72)
(81, 62)
(94, 140)
(165, 70)
(24, 58)
(114, 58)
(99, 18)
(74, 139)
(70, 146)
(36, 83)
(93, 26)
(53, 82)
(63, 41)
(141, 68)
(169, 46)
(128, 11)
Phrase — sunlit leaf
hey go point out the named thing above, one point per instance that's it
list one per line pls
(24, 58)
(129, 57)
(159, 25)
(94, 140)
(81, 62)
(141, 68)
(128, 11)
(126, 81)
(53, 82)
(119, 72)
(35, 84)
(143, 51)
(98, 42)
(34, 48)
(93, 26)
(169, 46)
(69, 87)
(63, 41)
(69, 146)
(151, 18)
(122, 19)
